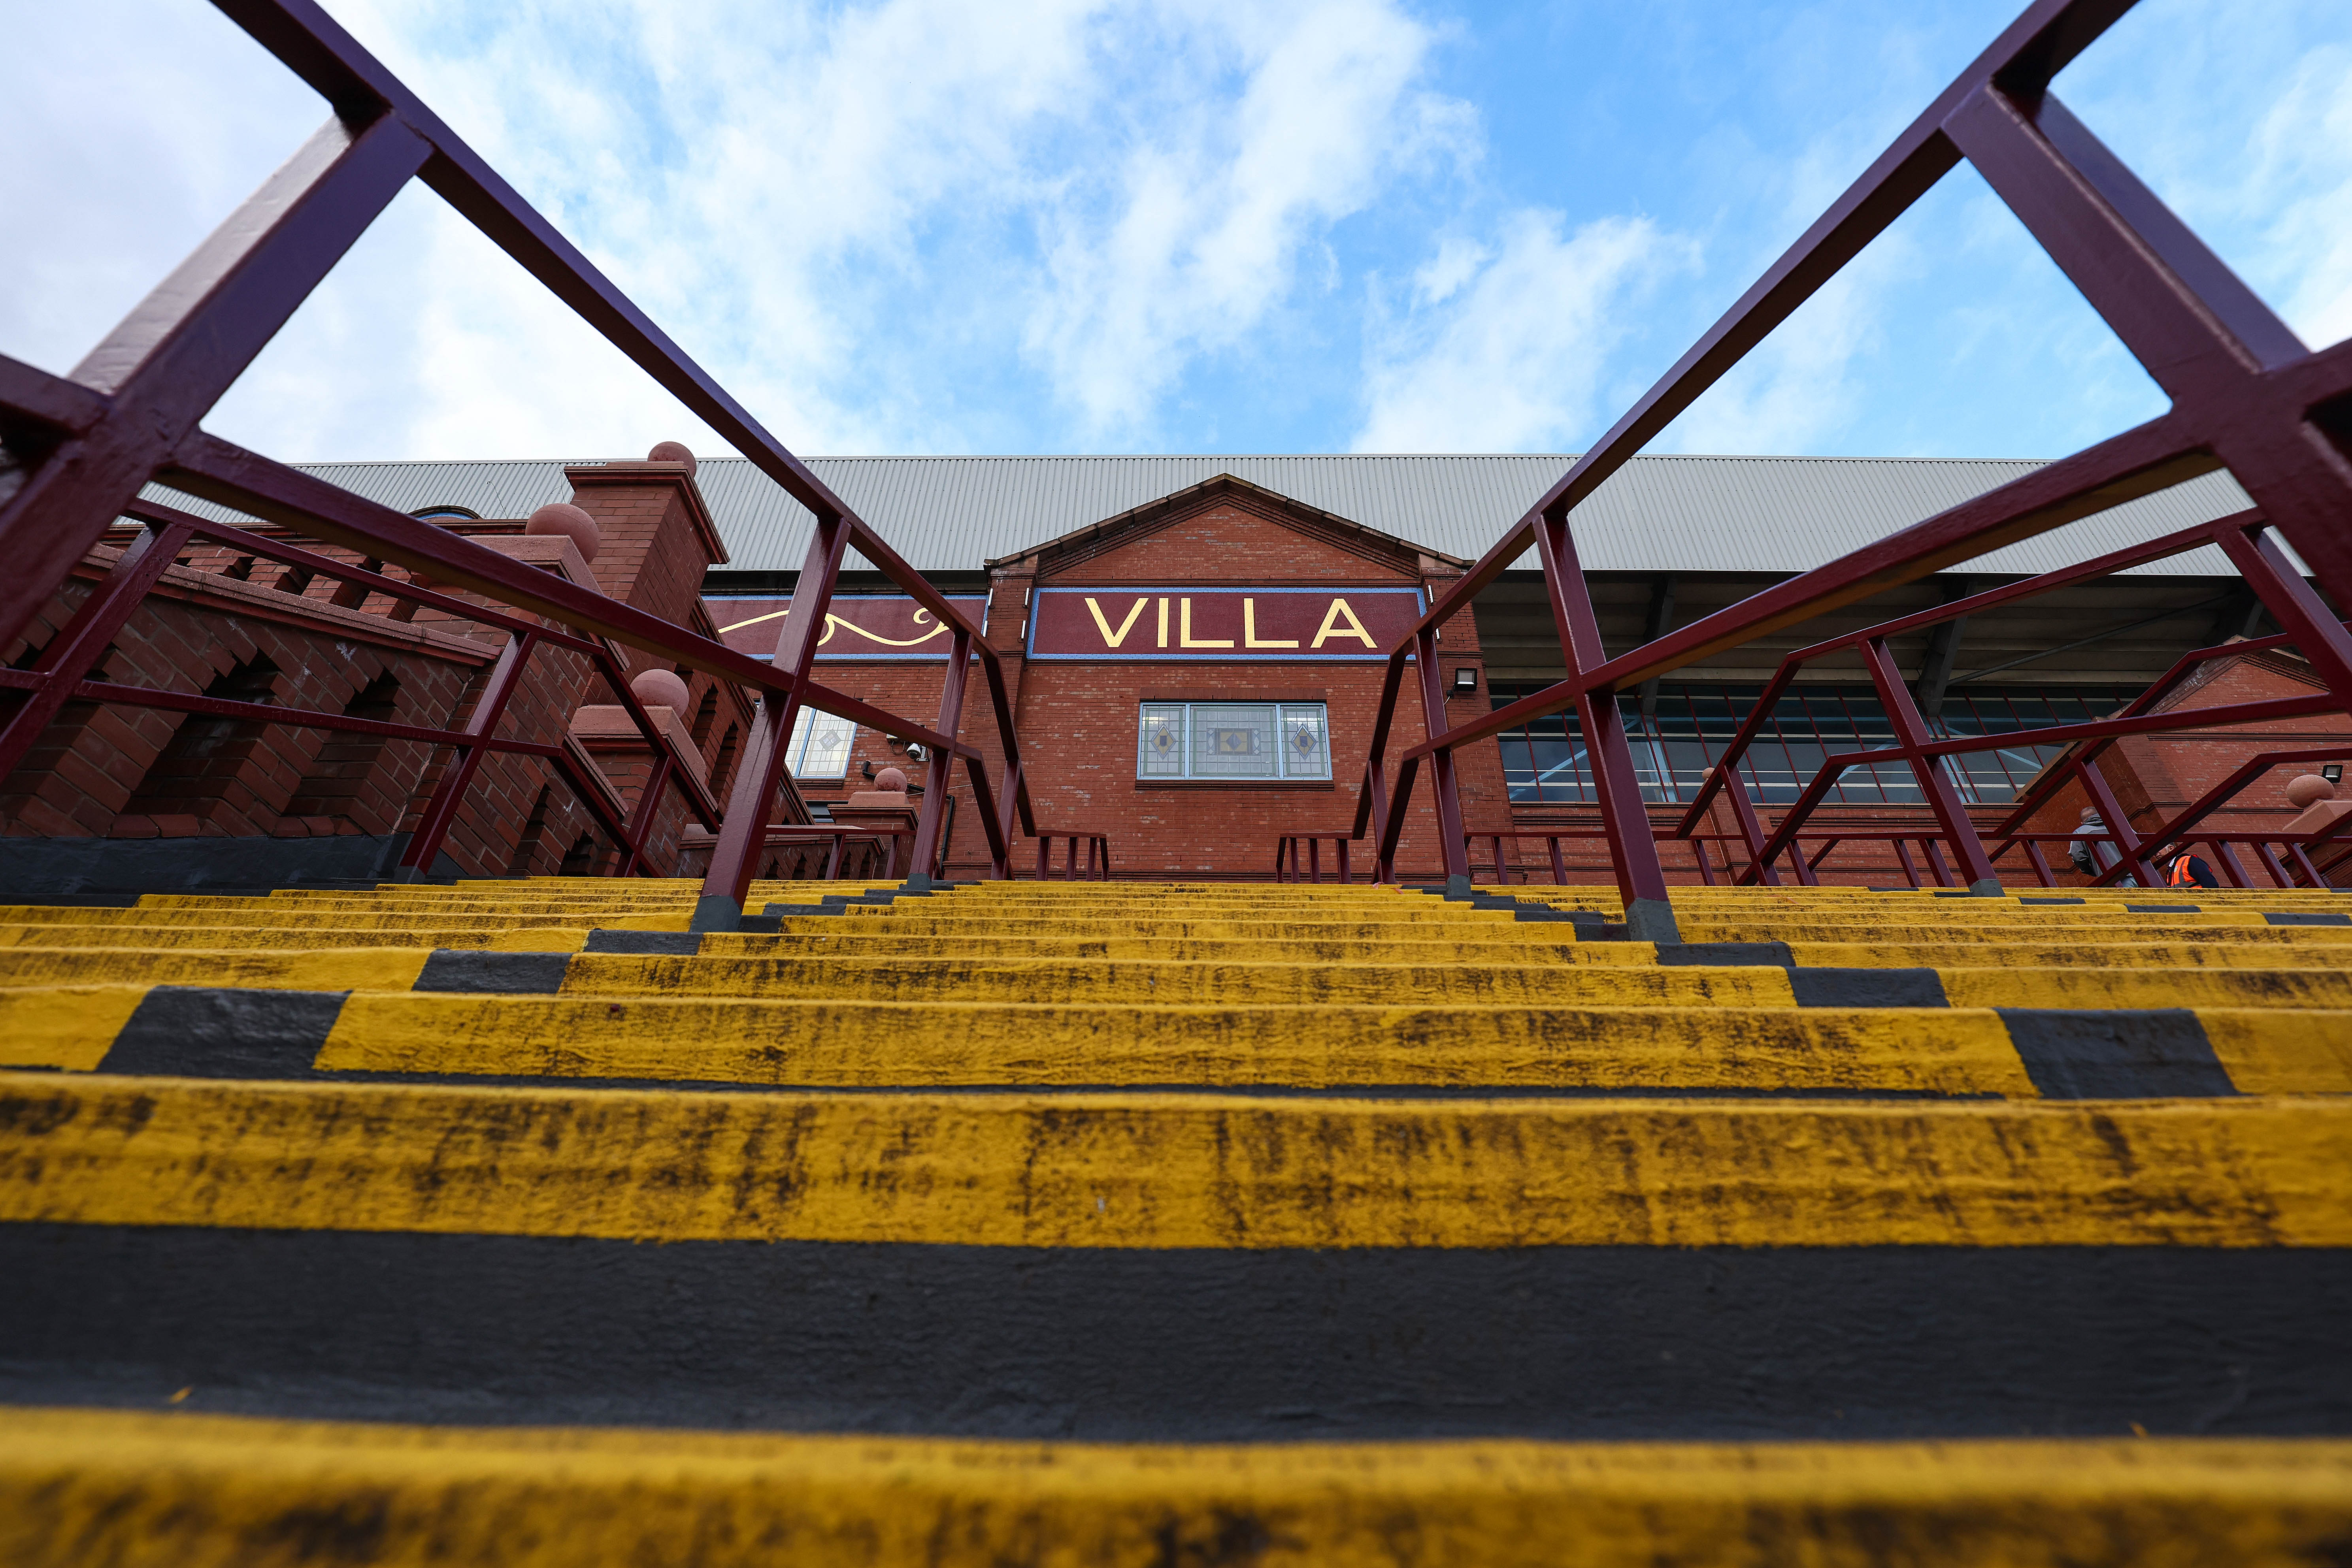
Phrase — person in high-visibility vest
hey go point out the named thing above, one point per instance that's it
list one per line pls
(2190, 871)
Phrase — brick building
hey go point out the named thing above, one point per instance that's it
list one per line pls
(1190, 644)
(119, 797)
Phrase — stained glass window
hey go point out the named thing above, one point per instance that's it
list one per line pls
(1233, 740)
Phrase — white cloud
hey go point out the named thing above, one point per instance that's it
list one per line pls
(1509, 353)
(2303, 172)
(1802, 383)
(1207, 216)
(864, 220)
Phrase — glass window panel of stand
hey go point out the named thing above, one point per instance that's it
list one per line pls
(820, 745)
(1691, 725)
(1305, 737)
(1233, 740)
(1160, 744)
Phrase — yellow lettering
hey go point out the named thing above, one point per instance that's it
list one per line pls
(1249, 629)
(1331, 628)
(1186, 618)
(1163, 622)
(1113, 639)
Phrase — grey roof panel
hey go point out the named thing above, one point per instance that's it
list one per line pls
(1657, 513)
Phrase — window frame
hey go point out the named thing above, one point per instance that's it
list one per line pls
(805, 730)
(1147, 713)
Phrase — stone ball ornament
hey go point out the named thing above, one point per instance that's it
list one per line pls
(672, 452)
(2308, 790)
(891, 781)
(659, 688)
(563, 518)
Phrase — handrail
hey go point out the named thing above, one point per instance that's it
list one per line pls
(2247, 397)
(86, 443)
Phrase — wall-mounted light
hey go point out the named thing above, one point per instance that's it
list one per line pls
(1465, 678)
(2333, 773)
(896, 743)
(915, 752)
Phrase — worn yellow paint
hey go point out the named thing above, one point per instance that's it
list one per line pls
(68, 1027)
(2106, 986)
(2186, 929)
(943, 976)
(1173, 1170)
(818, 938)
(216, 939)
(196, 1491)
(885, 1043)
(2038, 954)
(540, 939)
(2270, 1053)
(334, 969)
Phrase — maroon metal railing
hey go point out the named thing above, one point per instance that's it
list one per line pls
(1924, 756)
(76, 451)
(2247, 396)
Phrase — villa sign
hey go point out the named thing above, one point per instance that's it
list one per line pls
(1168, 624)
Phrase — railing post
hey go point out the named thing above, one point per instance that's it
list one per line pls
(1443, 789)
(939, 772)
(1902, 859)
(2232, 872)
(441, 810)
(83, 640)
(2127, 845)
(2271, 864)
(1559, 862)
(1633, 848)
(1751, 831)
(1315, 859)
(1935, 783)
(641, 821)
(1339, 848)
(744, 831)
(1705, 861)
(1376, 788)
(996, 817)
(2041, 863)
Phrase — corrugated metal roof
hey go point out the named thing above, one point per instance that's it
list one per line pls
(1657, 513)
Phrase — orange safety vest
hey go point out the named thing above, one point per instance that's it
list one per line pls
(2180, 877)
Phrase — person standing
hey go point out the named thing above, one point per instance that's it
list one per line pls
(2092, 849)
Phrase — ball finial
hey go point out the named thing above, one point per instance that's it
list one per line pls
(563, 518)
(659, 688)
(672, 452)
(891, 781)
(2307, 790)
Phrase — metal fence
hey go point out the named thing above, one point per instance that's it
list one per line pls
(2246, 395)
(76, 450)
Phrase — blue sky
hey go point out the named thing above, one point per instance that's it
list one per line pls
(1050, 225)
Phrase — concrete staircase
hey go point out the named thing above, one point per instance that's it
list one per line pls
(1060, 1223)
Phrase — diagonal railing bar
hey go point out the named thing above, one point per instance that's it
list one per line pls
(76, 451)
(2248, 398)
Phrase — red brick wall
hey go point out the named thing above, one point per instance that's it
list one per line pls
(1077, 722)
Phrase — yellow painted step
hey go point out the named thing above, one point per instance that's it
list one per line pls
(1173, 1170)
(882, 1044)
(181, 1491)
(1865, 931)
(2041, 955)
(217, 938)
(817, 938)
(286, 917)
